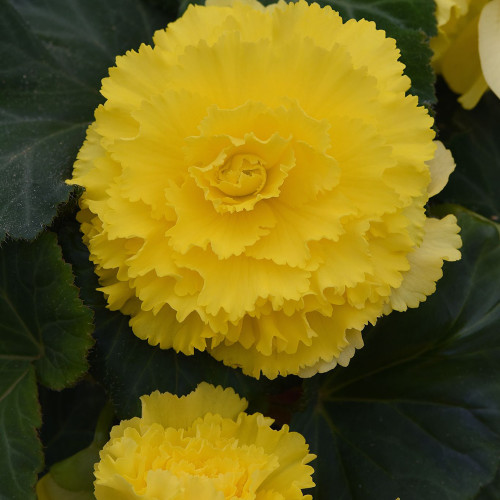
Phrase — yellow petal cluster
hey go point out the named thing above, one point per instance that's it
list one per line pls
(255, 186)
(204, 446)
(467, 47)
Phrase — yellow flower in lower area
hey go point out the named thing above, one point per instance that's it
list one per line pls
(467, 48)
(255, 186)
(204, 446)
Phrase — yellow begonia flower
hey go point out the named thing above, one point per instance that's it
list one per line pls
(467, 47)
(204, 446)
(255, 186)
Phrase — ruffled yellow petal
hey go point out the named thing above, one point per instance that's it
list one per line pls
(441, 241)
(354, 341)
(154, 254)
(136, 77)
(456, 48)
(199, 24)
(167, 329)
(292, 475)
(338, 273)
(440, 167)
(448, 9)
(94, 169)
(163, 485)
(200, 225)
(489, 44)
(255, 184)
(324, 345)
(202, 446)
(245, 172)
(172, 114)
(171, 411)
(118, 293)
(263, 279)
(288, 241)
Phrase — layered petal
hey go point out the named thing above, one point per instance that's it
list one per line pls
(440, 167)
(467, 47)
(440, 243)
(256, 183)
(171, 411)
(202, 445)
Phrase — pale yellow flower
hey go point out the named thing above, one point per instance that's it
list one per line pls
(467, 48)
(202, 446)
(255, 186)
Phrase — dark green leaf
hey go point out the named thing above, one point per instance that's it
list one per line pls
(41, 317)
(416, 55)
(47, 487)
(54, 55)
(76, 472)
(73, 478)
(84, 37)
(411, 23)
(474, 139)
(490, 491)
(417, 412)
(69, 419)
(44, 327)
(20, 450)
(169, 8)
(404, 14)
(131, 368)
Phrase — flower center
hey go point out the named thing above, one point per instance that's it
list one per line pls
(241, 175)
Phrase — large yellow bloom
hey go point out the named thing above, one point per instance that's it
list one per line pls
(467, 48)
(202, 446)
(255, 186)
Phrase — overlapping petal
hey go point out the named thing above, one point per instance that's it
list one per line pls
(255, 186)
(467, 47)
(202, 445)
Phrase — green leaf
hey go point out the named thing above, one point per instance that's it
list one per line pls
(491, 491)
(417, 412)
(54, 55)
(73, 478)
(83, 461)
(41, 317)
(474, 139)
(69, 419)
(49, 489)
(84, 37)
(129, 367)
(20, 450)
(44, 328)
(411, 23)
